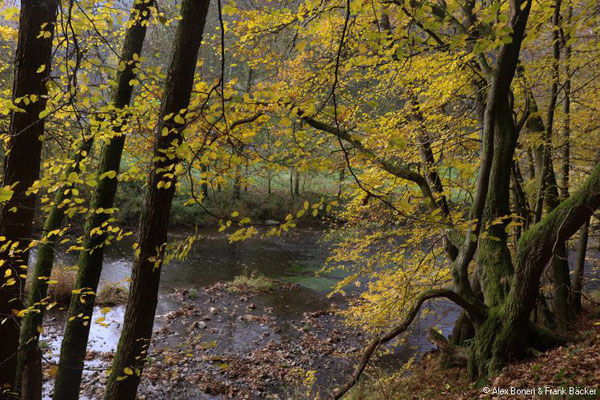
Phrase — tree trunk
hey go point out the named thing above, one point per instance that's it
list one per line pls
(29, 366)
(143, 295)
(580, 265)
(21, 169)
(76, 334)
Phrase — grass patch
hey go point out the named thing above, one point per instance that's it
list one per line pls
(112, 294)
(250, 283)
(61, 284)
(193, 294)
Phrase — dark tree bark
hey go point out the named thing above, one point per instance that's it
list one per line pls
(29, 366)
(21, 169)
(76, 334)
(143, 295)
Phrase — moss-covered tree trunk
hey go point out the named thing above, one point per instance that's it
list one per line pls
(73, 347)
(29, 365)
(507, 332)
(143, 295)
(21, 169)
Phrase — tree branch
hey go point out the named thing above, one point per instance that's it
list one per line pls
(400, 171)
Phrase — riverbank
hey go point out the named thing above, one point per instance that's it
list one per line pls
(573, 367)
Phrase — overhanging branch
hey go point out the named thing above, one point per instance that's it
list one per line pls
(476, 312)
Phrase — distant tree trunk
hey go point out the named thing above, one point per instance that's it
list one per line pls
(341, 180)
(530, 164)
(21, 169)
(204, 184)
(29, 366)
(297, 183)
(292, 183)
(580, 265)
(246, 176)
(143, 295)
(77, 330)
(237, 182)
(269, 179)
(520, 200)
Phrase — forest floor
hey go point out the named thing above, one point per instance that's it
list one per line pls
(553, 374)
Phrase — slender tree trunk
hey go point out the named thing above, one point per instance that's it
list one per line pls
(29, 366)
(292, 183)
(580, 265)
(143, 296)
(297, 183)
(530, 164)
(269, 179)
(21, 169)
(246, 176)
(521, 201)
(73, 348)
(566, 150)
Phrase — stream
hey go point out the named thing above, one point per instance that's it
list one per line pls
(294, 258)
